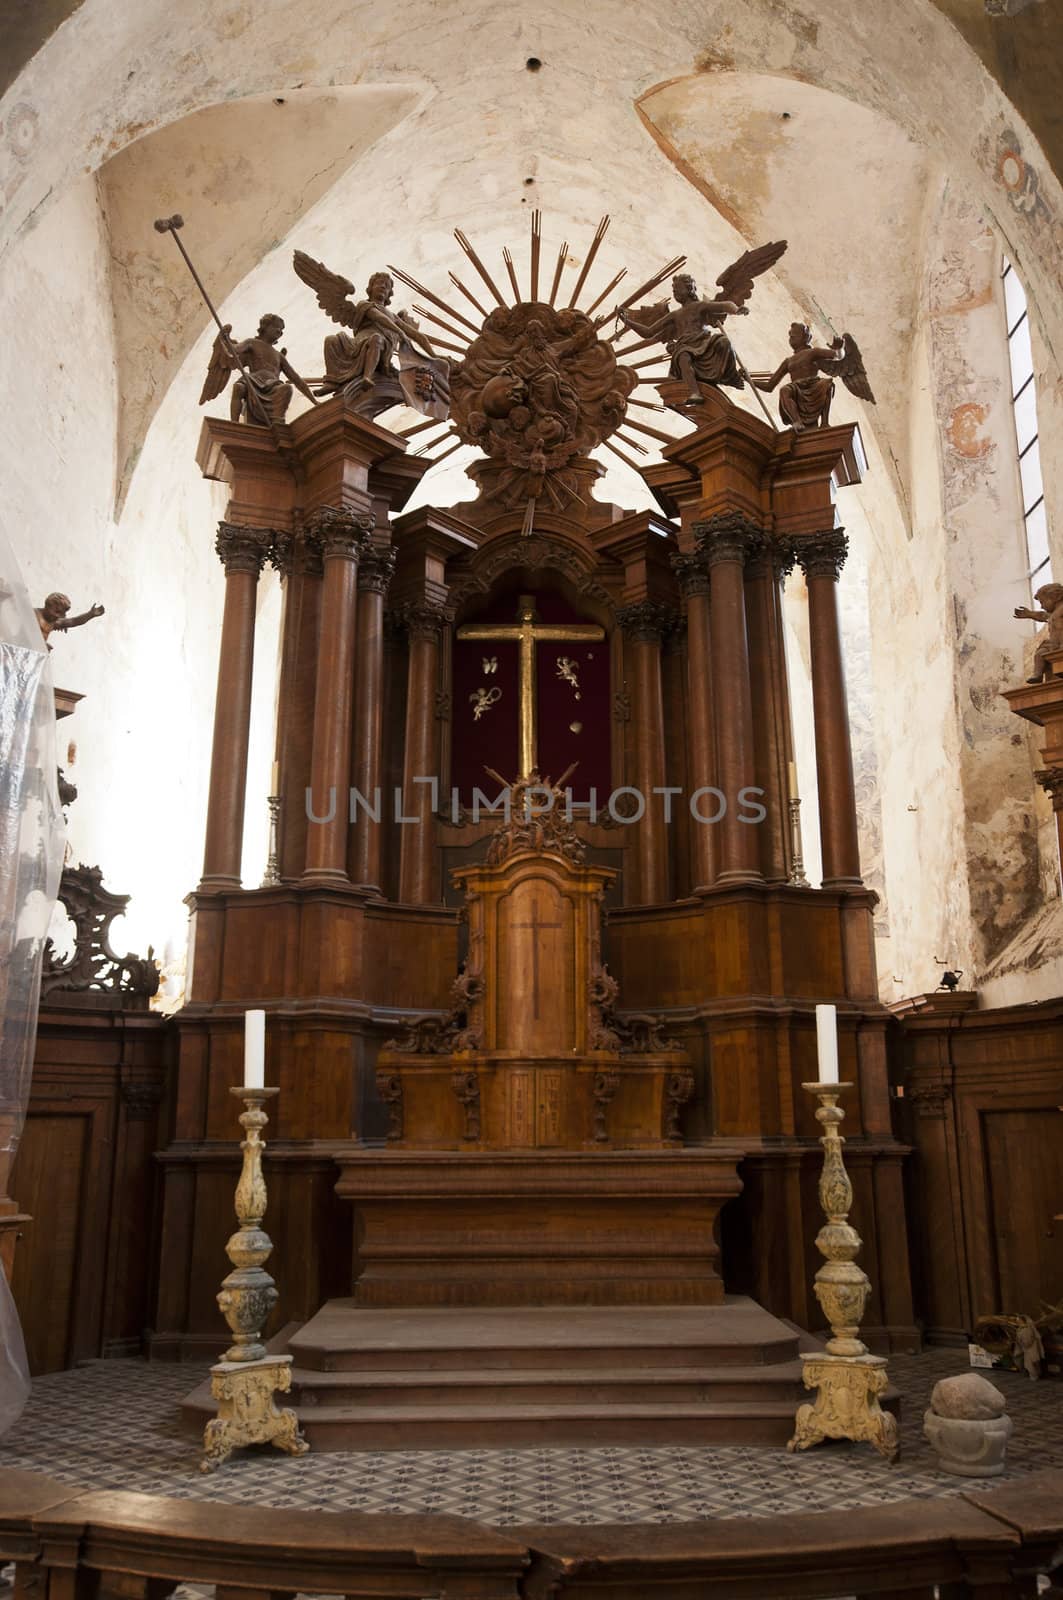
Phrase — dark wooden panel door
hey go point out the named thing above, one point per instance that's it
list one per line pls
(47, 1177)
(1024, 1150)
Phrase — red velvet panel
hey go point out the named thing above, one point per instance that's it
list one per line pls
(493, 738)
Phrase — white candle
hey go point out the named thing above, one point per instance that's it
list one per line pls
(827, 1043)
(275, 778)
(254, 1049)
(793, 780)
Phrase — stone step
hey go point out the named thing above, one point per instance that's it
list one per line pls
(479, 1427)
(507, 1386)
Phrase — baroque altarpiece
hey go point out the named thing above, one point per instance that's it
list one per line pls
(549, 1055)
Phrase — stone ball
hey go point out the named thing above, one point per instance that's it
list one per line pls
(968, 1396)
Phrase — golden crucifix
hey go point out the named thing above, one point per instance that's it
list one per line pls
(528, 633)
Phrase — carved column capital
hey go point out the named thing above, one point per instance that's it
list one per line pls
(281, 551)
(729, 536)
(1051, 781)
(646, 621)
(241, 549)
(421, 620)
(376, 569)
(339, 532)
(692, 573)
(822, 555)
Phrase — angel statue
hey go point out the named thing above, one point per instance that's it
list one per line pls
(360, 361)
(804, 402)
(260, 393)
(693, 333)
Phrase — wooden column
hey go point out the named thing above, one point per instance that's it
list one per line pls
(645, 624)
(727, 539)
(374, 574)
(692, 572)
(243, 552)
(423, 625)
(343, 535)
(302, 571)
(772, 735)
(821, 556)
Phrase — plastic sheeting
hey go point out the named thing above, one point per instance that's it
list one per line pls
(32, 844)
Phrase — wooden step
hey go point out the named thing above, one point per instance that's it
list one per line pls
(342, 1337)
(467, 1427)
(541, 1385)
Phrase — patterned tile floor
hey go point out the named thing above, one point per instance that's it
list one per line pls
(114, 1424)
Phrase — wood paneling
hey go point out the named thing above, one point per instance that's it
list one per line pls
(85, 1173)
(981, 1098)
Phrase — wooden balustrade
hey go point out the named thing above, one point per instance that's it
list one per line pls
(100, 1544)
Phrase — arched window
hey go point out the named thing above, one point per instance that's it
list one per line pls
(1024, 409)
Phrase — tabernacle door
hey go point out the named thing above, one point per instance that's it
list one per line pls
(535, 993)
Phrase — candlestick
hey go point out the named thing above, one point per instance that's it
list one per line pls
(254, 1049)
(797, 853)
(245, 1380)
(827, 1043)
(272, 875)
(847, 1378)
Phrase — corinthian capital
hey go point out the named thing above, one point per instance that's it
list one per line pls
(646, 620)
(375, 570)
(692, 573)
(338, 531)
(243, 549)
(1051, 781)
(729, 536)
(421, 620)
(822, 555)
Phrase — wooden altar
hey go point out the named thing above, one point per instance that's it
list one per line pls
(386, 1165)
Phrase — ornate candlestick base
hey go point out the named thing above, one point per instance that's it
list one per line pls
(848, 1380)
(246, 1378)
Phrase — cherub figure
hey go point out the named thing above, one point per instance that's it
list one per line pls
(361, 360)
(693, 333)
(1050, 596)
(260, 394)
(804, 402)
(52, 616)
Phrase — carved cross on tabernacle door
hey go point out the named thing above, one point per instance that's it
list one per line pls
(536, 927)
(527, 632)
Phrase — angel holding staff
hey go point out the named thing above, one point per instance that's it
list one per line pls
(260, 394)
(805, 401)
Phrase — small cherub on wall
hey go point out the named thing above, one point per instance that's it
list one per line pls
(1050, 611)
(52, 615)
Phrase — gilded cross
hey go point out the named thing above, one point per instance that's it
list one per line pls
(536, 927)
(527, 632)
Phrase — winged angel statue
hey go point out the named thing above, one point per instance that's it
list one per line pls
(804, 402)
(361, 360)
(260, 393)
(693, 333)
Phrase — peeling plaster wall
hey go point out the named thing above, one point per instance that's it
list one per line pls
(147, 667)
(917, 736)
(986, 566)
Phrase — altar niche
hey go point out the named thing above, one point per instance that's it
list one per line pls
(543, 705)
